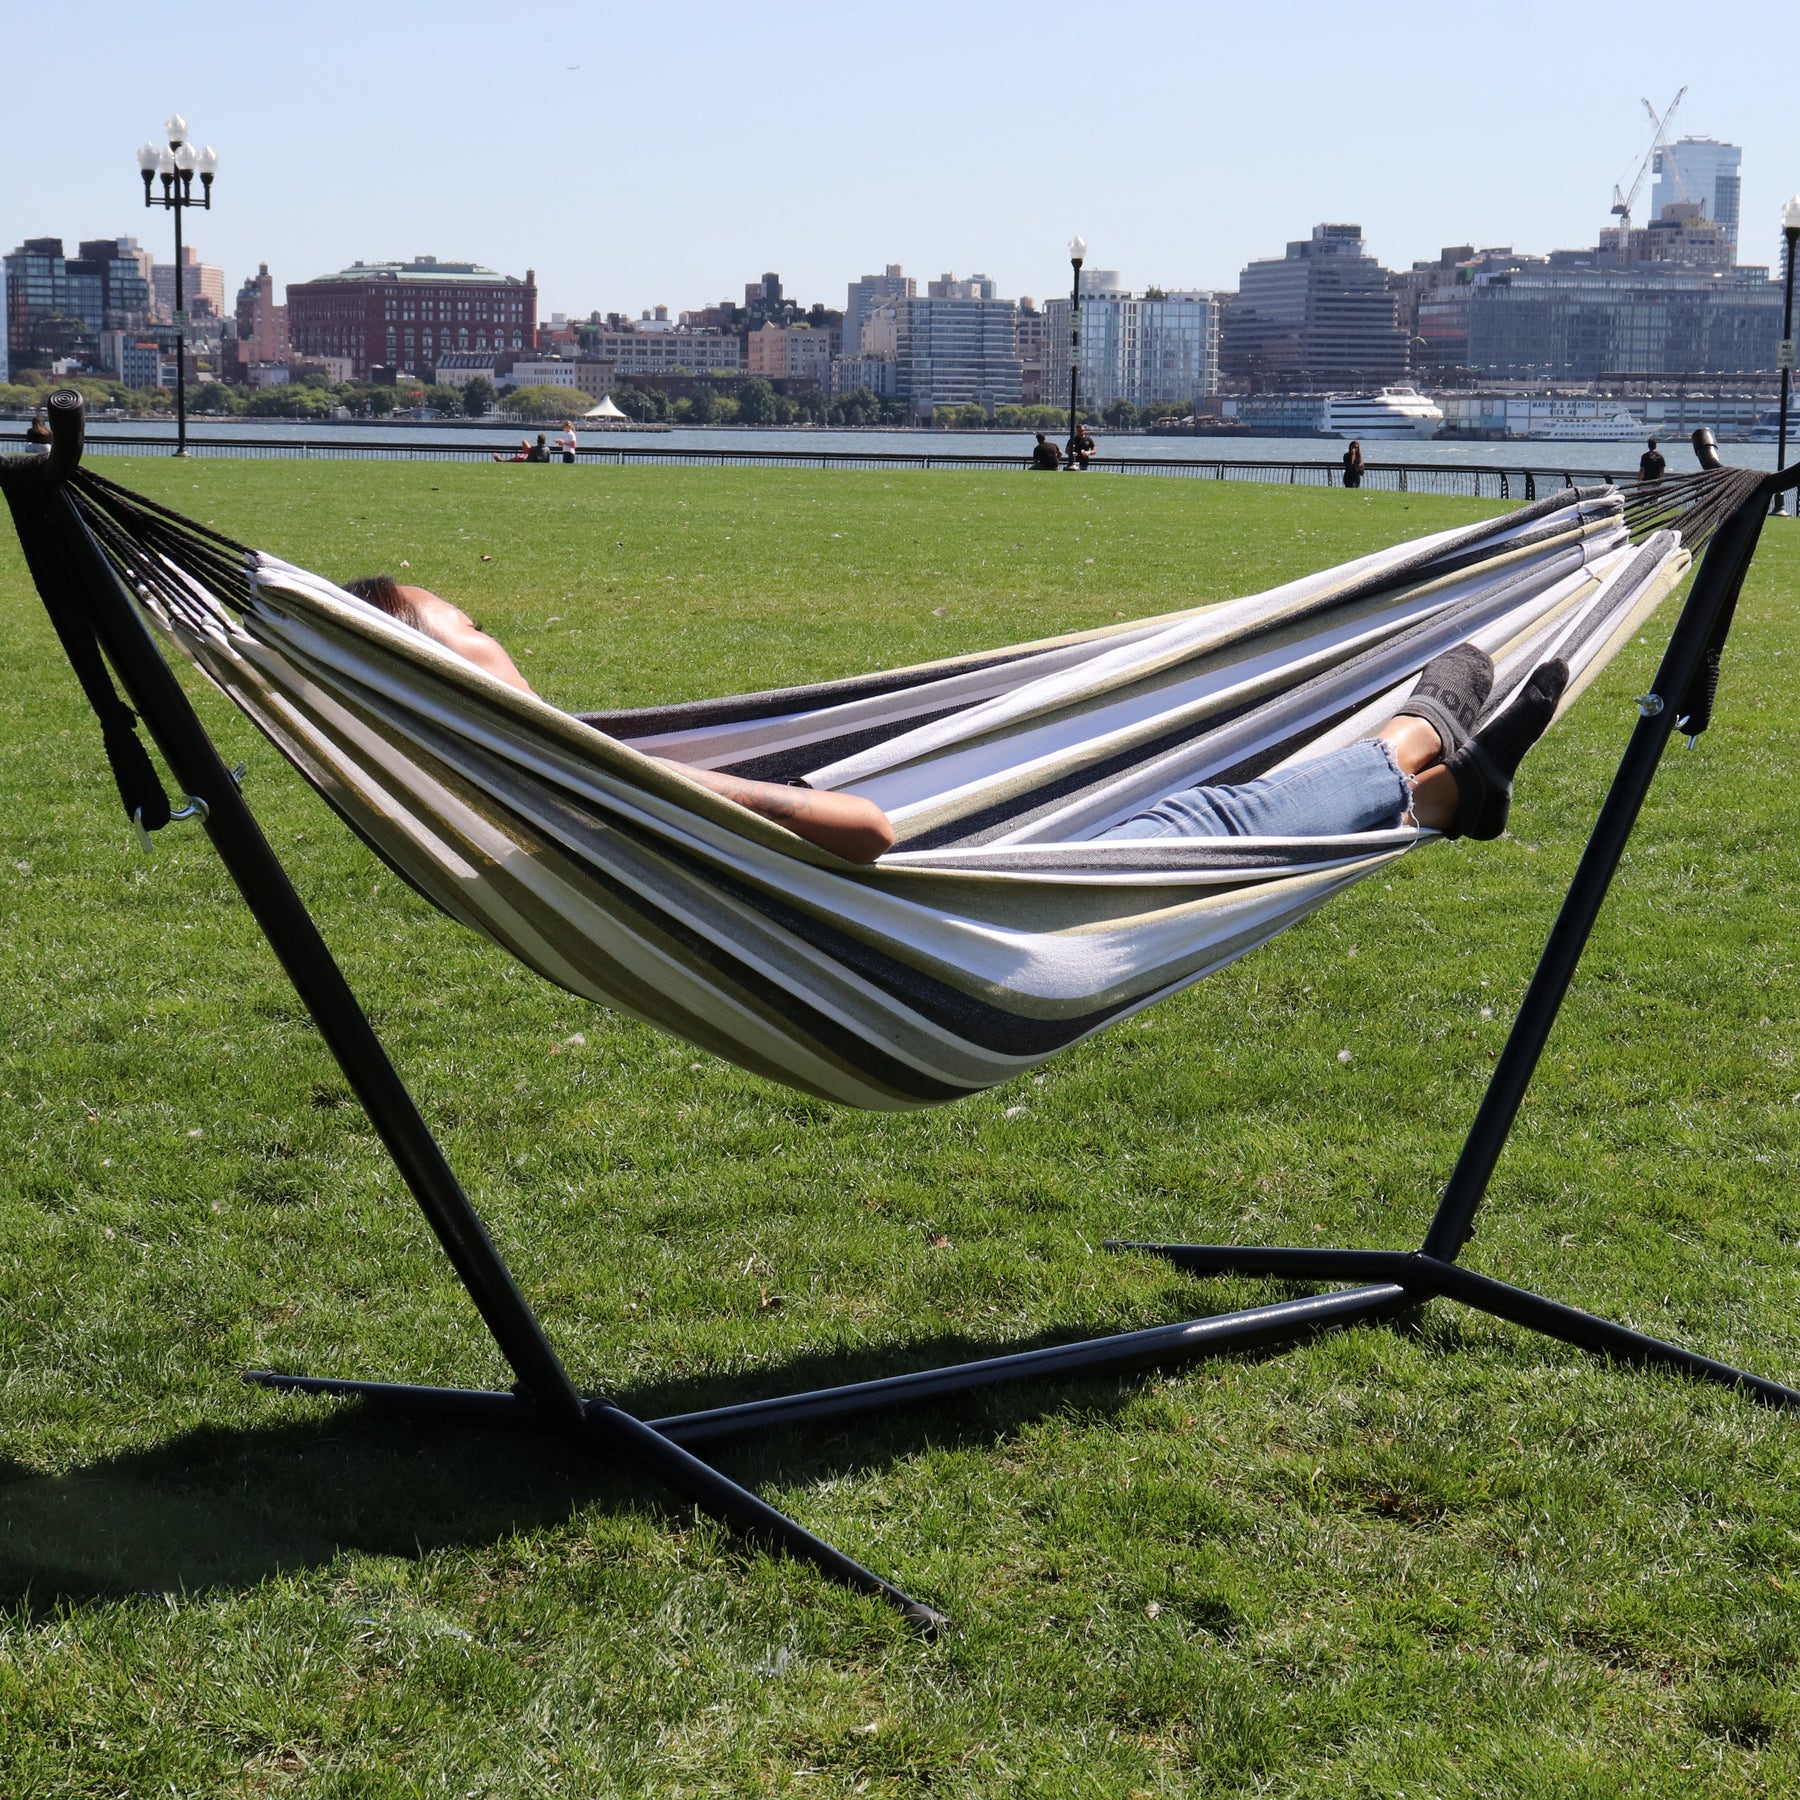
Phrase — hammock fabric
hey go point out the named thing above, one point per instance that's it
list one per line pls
(997, 932)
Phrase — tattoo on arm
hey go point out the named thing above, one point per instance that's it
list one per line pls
(765, 797)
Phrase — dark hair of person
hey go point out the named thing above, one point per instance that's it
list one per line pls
(383, 592)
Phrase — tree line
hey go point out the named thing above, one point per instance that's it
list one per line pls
(755, 402)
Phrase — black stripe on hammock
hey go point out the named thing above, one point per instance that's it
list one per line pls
(1018, 810)
(792, 763)
(1462, 551)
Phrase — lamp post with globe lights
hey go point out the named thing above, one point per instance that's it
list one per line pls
(1790, 230)
(1077, 256)
(176, 168)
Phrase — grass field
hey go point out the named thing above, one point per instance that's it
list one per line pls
(1438, 1558)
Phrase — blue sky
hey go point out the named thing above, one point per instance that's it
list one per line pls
(644, 154)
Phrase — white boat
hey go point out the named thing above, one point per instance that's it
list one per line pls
(1767, 429)
(1393, 412)
(1615, 428)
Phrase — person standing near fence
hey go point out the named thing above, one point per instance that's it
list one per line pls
(567, 442)
(1353, 464)
(1651, 465)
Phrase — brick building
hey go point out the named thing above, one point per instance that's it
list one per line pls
(408, 316)
(793, 353)
(202, 287)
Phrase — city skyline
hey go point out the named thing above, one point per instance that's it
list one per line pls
(624, 191)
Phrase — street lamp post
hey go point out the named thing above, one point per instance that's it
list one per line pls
(176, 168)
(1790, 229)
(1077, 256)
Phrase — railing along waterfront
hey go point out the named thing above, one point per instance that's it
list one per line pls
(1469, 480)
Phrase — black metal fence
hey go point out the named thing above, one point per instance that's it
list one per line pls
(1480, 483)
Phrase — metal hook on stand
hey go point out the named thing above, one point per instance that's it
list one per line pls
(192, 807)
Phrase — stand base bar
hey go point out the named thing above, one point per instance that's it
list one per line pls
(1282, 1323)
(1431, 1277)
(478, 1405)
(1285, 1322)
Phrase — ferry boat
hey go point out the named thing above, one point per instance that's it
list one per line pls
(1615, 428)
(1393, 412)
(1767, 429)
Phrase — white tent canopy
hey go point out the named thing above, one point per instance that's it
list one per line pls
(605, 410)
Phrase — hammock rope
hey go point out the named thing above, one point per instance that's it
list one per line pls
(999, 932)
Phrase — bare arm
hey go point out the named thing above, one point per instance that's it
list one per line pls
(845, 824)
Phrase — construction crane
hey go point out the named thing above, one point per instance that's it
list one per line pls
(1662, 152)
(1659, 141)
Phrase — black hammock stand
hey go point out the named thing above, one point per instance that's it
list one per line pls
(98, 624)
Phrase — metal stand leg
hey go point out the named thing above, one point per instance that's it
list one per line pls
(1423, 1277)
(1682, 694)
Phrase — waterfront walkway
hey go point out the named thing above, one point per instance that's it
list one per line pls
(1471, 480)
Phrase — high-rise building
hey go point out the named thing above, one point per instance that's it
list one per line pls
(1323, 315)
(865, 295)
(262, 328)
(202, 287)
(406, 315)
(956, 348)
(57, 306)
(131, 263)
(1029, 342)
(1703, 172)
(1162, 346)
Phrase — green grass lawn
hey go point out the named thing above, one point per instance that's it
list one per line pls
(1437, 1558)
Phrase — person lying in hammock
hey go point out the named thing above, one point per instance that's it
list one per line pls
(1428, 766)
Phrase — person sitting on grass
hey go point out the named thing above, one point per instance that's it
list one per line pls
(1428, 767)
(1044, 454)
(538, 452)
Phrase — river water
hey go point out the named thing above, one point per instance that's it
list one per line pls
(1619, 458)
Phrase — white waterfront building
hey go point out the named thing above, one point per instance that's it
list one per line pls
(1154, 346)
(543, 372)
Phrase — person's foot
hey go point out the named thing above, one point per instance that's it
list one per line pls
(1452, 690)
(1484, 767)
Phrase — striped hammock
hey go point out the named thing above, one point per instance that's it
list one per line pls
(997, 932)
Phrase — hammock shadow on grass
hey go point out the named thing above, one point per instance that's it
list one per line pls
(222, 1509)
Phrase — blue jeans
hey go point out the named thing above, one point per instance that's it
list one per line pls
(1359, 788)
